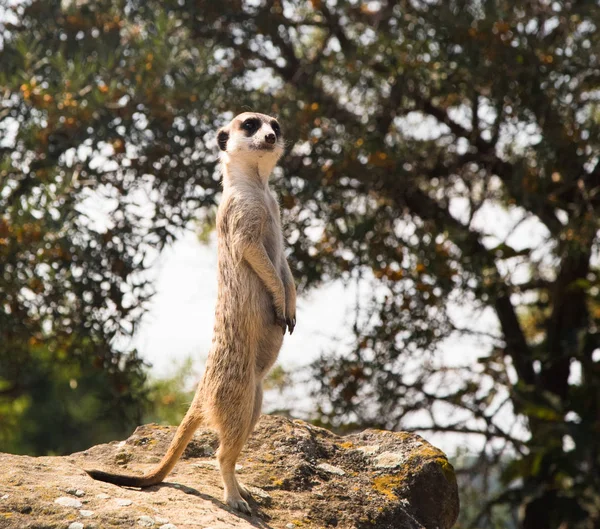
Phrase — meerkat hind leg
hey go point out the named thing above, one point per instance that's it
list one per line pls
(227, 456)
(258, 397)
(233, 423)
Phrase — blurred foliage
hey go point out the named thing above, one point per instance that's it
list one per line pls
(170, 397)
(424, 136)
(480, 479)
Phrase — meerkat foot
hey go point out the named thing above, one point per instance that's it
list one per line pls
(239, 504)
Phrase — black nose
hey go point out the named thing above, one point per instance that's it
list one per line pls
(270, 138)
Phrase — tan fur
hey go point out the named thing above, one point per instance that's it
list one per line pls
(256, 301)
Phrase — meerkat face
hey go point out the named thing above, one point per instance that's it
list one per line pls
(252, 136)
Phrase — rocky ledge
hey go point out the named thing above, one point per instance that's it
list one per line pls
(301, 476)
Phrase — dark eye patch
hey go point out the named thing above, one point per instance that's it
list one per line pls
(251, 125)
(222, 137)
(276, 128)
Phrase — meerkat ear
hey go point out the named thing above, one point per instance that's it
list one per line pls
(222, 137)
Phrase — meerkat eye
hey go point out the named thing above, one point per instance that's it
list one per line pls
(276, 128)
(250, 126)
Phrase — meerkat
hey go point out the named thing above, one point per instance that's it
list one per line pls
(256, 304)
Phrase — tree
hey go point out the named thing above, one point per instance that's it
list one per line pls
(411, 124)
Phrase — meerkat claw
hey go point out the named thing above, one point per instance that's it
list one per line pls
(240, 505)
(291, 323)
(244, 492)
(281, 321)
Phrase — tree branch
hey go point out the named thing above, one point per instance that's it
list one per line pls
(469, 243)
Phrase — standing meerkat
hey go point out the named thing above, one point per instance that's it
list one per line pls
(256, 303)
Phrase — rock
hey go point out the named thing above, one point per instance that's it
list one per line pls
(389, 460)
(331, 469)
(260, 496)
(68, 502)
(215, 464)
(75, 492)
(368, 450)
(85, 513)
(146, 521)
(300, 476)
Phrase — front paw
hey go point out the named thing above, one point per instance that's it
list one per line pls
(291, 323)
(280, 320)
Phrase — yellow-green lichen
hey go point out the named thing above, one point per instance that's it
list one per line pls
(430, 453)
(276, 482)
(122, 458)
(386, 485)
(447, 469)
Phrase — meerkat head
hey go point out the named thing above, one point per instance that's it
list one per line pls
(252, 138)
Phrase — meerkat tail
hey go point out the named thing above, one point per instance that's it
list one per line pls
(184, 433)
(119, 479)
